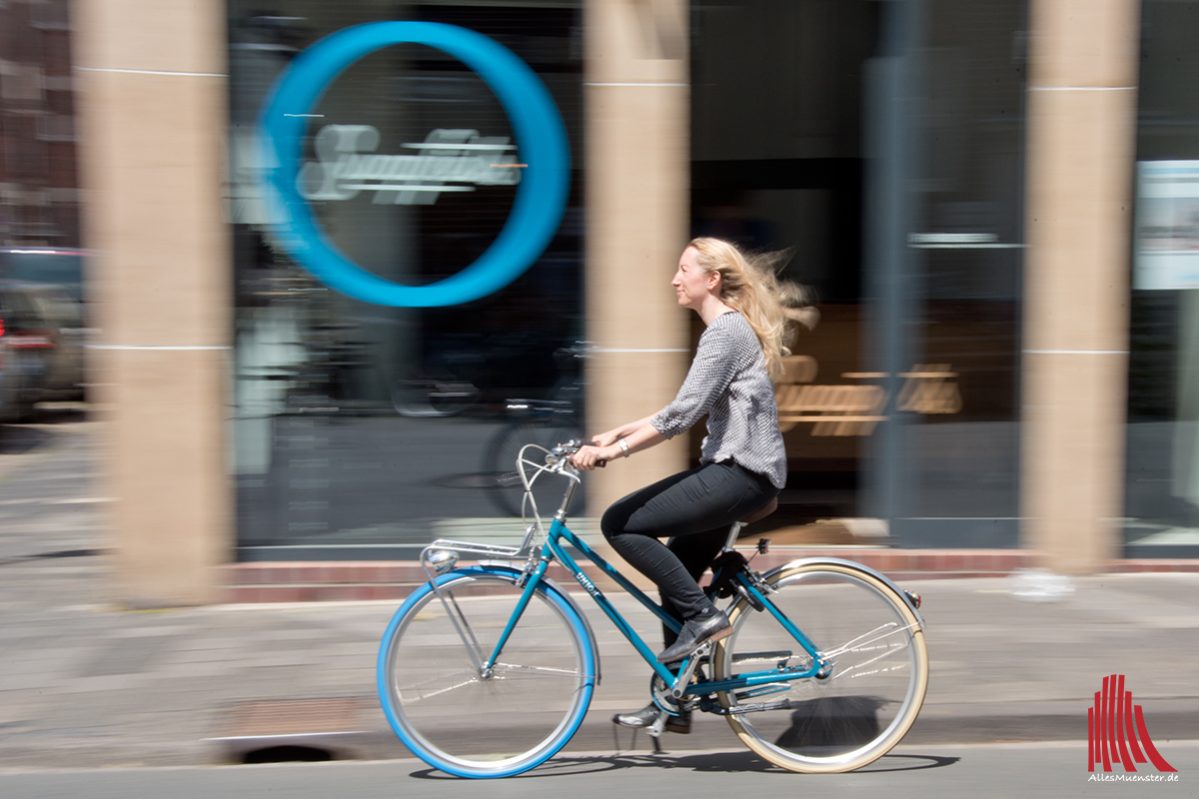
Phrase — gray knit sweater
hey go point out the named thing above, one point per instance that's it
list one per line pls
(728, 382)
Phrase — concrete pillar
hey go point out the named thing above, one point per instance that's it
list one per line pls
(1081, 144)
(152, 107)
(638, 133)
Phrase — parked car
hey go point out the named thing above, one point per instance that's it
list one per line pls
(41, 347)
(23, 355)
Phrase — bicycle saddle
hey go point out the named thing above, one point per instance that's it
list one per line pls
(760, 514)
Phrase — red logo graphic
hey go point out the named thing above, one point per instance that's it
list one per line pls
(1116, 731)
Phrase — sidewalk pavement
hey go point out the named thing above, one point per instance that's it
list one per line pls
(83, 683)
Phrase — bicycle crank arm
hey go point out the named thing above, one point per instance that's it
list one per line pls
(702, 653)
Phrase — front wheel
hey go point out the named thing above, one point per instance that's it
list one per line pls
(870, 691)
(485, 722)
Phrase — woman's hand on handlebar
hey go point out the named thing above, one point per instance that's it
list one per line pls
(590, 456)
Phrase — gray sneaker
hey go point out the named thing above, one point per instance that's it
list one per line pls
(647, 715)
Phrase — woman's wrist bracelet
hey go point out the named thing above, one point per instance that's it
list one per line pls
(624, 447)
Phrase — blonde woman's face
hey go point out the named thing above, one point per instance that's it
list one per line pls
(692, 285)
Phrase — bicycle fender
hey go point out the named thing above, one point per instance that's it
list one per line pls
(551, 588)
(851, 564)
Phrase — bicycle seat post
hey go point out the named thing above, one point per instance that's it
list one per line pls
(734, 532)
(761, 513)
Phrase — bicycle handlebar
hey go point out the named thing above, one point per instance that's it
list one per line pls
(563, 451)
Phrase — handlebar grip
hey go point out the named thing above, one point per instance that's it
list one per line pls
(602, 462)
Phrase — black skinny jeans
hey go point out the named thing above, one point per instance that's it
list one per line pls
(694, 509)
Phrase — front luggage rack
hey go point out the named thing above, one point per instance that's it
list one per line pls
(443, 554)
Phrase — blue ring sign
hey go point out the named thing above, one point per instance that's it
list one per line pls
(540, 196)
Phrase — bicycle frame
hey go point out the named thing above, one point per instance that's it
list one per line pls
(554, 549)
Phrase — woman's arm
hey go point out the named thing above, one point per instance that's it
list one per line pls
(716, 361)
(636, 436)
(722, 352)
(617, 433)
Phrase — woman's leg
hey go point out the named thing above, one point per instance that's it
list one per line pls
(695, 503)
(696, 553)
(694, 508)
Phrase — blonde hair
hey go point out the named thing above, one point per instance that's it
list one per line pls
(748, 284)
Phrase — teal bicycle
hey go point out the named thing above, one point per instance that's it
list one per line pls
(488, 670)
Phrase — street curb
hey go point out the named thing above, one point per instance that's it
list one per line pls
(1168, 719)
(597, 733)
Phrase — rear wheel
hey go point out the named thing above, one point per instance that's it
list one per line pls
(876, 674)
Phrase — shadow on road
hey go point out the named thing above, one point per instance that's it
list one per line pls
(51, 555)
(920, 762)
(700, 762)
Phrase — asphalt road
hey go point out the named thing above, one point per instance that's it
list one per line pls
(1029, 771)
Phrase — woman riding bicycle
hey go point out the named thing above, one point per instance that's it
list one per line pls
(742, 466)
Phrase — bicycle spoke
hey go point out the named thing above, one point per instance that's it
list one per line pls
(872, 673)
(853, 645)
(538, 669)
(408, 698)
(897, 649)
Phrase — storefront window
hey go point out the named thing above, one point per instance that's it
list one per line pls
(883, 145)
(1162, 496)
(951, 476)
(366, 430)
